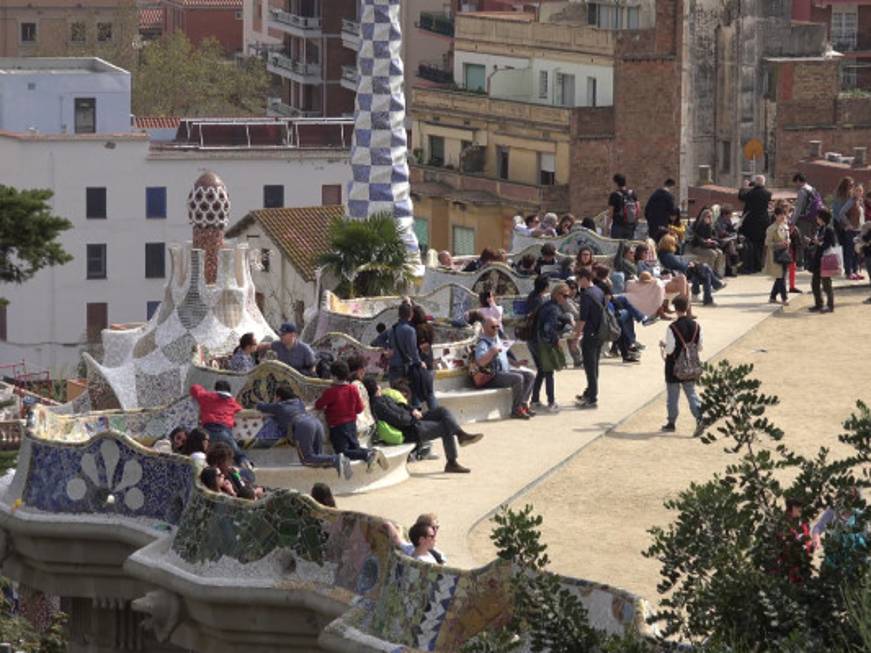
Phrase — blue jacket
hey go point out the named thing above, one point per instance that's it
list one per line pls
(286, 413)
(403, 342)
(547, 327)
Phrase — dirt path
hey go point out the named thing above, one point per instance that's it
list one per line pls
(598, 507)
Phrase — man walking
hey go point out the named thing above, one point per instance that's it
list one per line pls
(625, 210)
(591, 315)
(659, 209)
(680, 333)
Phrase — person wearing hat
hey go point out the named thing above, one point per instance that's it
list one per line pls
(292, 351)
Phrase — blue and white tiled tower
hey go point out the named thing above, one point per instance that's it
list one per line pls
(379, 151)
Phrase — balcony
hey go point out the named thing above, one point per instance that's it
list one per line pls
(302, 73)
(302, 26)
(351, 34)
(555, 198)
(437, 23)
(349, 78)
(435, 72)
(275, 107)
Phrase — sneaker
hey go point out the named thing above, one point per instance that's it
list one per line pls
(722, 284)
(772, 300)
(519, 413)
(535, 404)
(709, 302)
(785, 302)
(465, 439)
(345, 467)
(700, 429)
(370, 460)
(696, 296)
(453, 467)
(528, 410)
(649, 320)
(827, 309)
(867, 301)
(586, 404)
(795, 291)
(816, 309)
(427, 454)
(381, 459)
(668, 427)
(640, 346)
(632, 358)
(552, 408)
(580, 397)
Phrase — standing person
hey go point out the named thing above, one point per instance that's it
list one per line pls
(822, 240)
(341, 403)
(865, 246)
(405, 362)
(491, 352)
(550, 357)
(807, 204)
(534, 301)
(242, 359)
(842, 202)
(684, 330)
(218, 416)
(776, 255)
(591, 316)
(756, 198)
(425, 342)
(853, 218)
(659, 209)
(625, 210)
(292, 351)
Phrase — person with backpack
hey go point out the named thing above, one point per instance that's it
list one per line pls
(807, 204)
(681, 347)
(625, 210)
(592, 319)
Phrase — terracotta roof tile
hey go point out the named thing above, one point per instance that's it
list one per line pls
(157, 122)
(150, 17)
(210, 4)
(301, 233)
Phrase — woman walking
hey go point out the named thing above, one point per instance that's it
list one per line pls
(777, 256)
(822, 240)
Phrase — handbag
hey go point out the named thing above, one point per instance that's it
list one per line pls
(783, 256)
(481, 374)
(552, 358)
(832, 262)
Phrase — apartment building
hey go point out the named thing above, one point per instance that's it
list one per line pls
(45, 27)
(202, 19)
(125, 191)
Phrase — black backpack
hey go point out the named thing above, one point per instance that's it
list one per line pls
(323, 360)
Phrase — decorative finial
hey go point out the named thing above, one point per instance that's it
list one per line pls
(209, 202)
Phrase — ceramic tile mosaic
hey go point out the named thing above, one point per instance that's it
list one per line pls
(107, 476)
(497, 276)
(572, 242)
(379, 150)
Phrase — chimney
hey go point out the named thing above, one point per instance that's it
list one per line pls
(209, 214)
(816, 151)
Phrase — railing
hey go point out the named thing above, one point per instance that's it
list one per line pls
(279, 60)
(275, 105)
(295, 20)
(435, 73)
(436, 22)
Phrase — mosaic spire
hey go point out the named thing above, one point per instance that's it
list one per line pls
(380, 147)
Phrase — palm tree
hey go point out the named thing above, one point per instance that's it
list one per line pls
(368, 256)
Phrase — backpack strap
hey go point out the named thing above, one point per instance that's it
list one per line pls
(680, 337)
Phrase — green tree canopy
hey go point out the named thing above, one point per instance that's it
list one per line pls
(28, 233)
(175, 78)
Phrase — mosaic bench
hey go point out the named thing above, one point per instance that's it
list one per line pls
(571, 243)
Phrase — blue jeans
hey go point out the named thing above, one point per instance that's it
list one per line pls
(673, 396)
(622, 231)
(779, 287)
(344, 440)
(309, 435)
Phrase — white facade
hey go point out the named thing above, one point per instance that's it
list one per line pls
(46, 317)
(63, 96)
(539, 80)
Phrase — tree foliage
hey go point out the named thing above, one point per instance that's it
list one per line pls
(19, 632)
(28, 234)
(176, 78)
(367, 256)
(735, 570)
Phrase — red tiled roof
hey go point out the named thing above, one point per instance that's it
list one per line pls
(301, 233)
(157, 122)
(150, 17)
(208, 4)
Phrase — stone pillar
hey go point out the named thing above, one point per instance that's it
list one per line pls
(816, 149)
(209, 214)
(705, 176)
(860, 156)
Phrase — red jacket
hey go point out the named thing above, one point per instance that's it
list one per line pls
(341, 404)
(215, 408)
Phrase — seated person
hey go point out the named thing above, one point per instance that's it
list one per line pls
(492, 354)
(426, 525)
(292, 351)
(288, 417)
(487, 257)
(704, 245)
(214, 479)
(218, 415)
(566, 224)
(357, 370)
(549, 225)
(196, 446)
(626, 316)
(525, 266)
(421, 427)
(526, 226)
(589, 223)
(242, 359)
(547, 263)
(584, 259)
(220, 455)
(322, 493)
(446, 260)
(172, 443)
(677, 229)
(341, 404)
(487, 306)
(624, 261)
(728, 239)
(699, 274)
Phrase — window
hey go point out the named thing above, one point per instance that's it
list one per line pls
(848, 75)
(844, 27)
(155, 202)
(475, 76)
(604, 16)
(633, 17)
(104, 32)
(3, 322)
(542, 84)
(464, 241)
(726, 156)
(421, 230)
(565, 90)
(547, 169)
(591, 92)
(331, 194)
(28, 32)
(502, 162)
(151, 309)
(85, 115)
(273, 197)
(97, 319)
(155, 260)
(95, 203)
(436, 151)
(265, 260)
(96, 261)
(77, 32)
